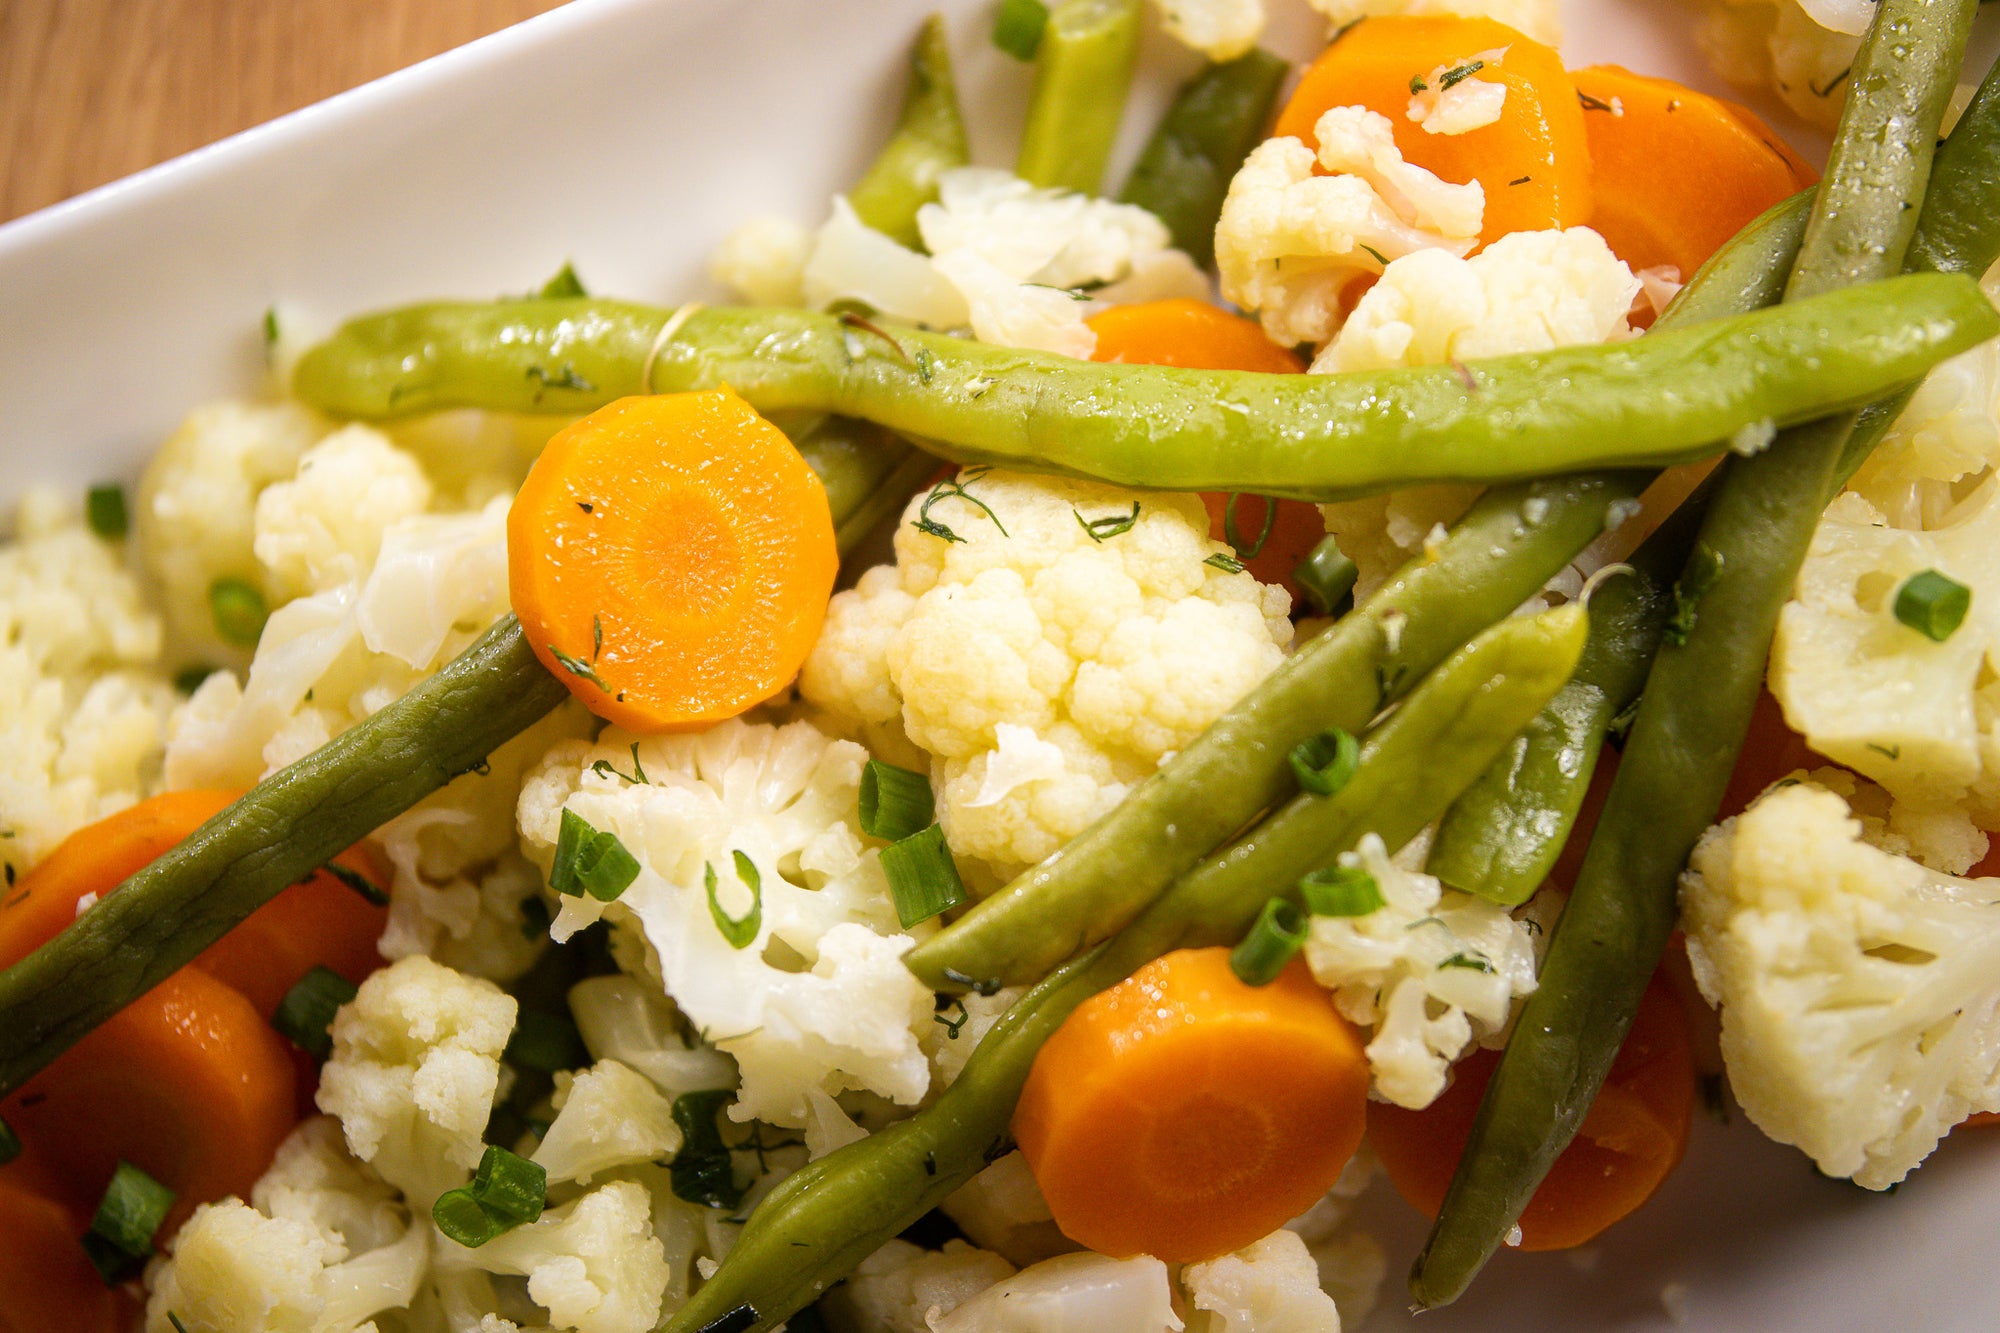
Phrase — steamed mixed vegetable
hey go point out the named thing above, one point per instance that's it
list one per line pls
(624, 817)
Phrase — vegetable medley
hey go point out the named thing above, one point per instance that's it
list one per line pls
(1002, 783)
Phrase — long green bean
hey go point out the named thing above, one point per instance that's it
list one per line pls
(1494, 559)
(1083, 73)
(1665, 398)
(929, 141)
(1699, 692)
(824, 1220)
(1214, 122)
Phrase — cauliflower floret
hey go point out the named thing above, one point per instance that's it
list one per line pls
(607, 1116)
(1072, 1291)
(1802, 48)
(83, 706)
(1351, 1262)
(625, 1018)
(1860, 1010)
(323, 526)
(1219, 29)
(195, 514)
(326, 1247)
(819, 997)
(1430, 970)
(1020, 266)
(1268, 1286)
(901, 1288)
(764, 260)
(1459, 105)
(1527, 292)
(1382, 533)
(1539, 19)
(1045, 671)
(1002, 1209)
(594, 1265)
(1942, 837)
(416, 1061)
(1920, 717)
(961, 1026)
(1290, 243)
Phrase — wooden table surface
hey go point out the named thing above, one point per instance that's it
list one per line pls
(91, 90)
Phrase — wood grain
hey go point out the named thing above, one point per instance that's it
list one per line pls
(91, 90)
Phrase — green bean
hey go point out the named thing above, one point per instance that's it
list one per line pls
(1511, 542)
(1216, 119)
(824, 1220)
(1083, 71)
(1665, 398)
(929, 141)
(1699, 692)
(282, 830)
(853, 459)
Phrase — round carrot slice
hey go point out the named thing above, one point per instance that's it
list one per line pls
(670, 559)
(1184, 1114)
(47, 1284)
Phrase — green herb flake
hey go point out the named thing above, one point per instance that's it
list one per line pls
(1252, 549)
(955, 488)
(1933, 604)
(740, 931)
(238, 611)
(1228, 564)
(1377, 255)
(1112, 525)
(369, 890)
(703, 1171)
(951, 1026)
(1458, 74)
(579, 668)
(1704, 567)
(1417, 84)
(104, 509)
(1472, 962)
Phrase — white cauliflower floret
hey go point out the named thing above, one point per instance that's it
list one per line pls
(1431, 970)
(1942, 837)
(1539, 19)
(1920, 717)
(1045, 671)
(1268, 1286)
(326, 1248)
(195, 514)
(1802, 48)
(1072, 1291)
(1860, 1007)
(1382, 533)
(764, 260)
(607, 1116)
(901, 1288)
(627, 1019)
(1290, 243)
(1444, 105)
(819, 996)
(83, 706)
(416, 1061)
(961, 1026)
(1529, 291)
(594, 1264)
(1002, 1209)
(323, 526)
(1020, 266)
(1219, 29)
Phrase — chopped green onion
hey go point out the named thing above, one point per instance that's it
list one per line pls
(740, 931)
(546, 1043)
(121, 1234)
(1933, 604)
(1271, 943)
(238, 610)
(10, 1143)
(507, 1191)
(1017, 28)
(564, 283)
(1228, 564)
(104, 508)
(360, 883)
(895, 802)
(1341, 891)
(1247, 550)
(702, 1171)
(588, 861)
(923, 879)
(1327, 579)
(1325, 763)
(305, 1015)
(188, 679)
(1470, 961)
(175, 1320)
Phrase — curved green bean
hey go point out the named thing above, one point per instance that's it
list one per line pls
(824, 1220)
(1216, 119)
(1665, 398)
(1083, 73)
(929, 141)
(1494, 559)
(1699, 691)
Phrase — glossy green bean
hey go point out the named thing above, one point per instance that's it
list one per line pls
(929, 141)
(1665, 398)
(1215, 120)
(1494, 559)
(1699, 691)
(824, 1220)
(1083, 73)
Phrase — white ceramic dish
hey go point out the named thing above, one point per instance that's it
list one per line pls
(628, 135)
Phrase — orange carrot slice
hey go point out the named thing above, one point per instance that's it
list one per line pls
(1183, 1114)
(670, 559)
(47, 1284)
(1631, 1140)
(1677, 172)
(1534, 162)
